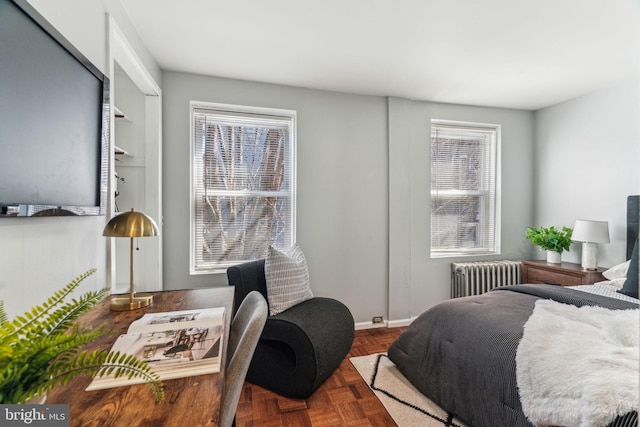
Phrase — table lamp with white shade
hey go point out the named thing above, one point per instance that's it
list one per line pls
(590, 233)
(130, 224)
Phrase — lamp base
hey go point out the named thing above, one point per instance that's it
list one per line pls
(125, 303)
(589, 256)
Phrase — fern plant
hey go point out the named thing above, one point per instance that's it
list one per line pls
(43, 348)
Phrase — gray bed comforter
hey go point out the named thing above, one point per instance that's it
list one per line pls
(461, 353)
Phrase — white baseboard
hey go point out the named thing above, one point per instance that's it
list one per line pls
(401, 322)
(370, 325)
(385, 324)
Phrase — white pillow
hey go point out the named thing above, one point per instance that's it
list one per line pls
(618, 283)
(287, 278)
(617, 271)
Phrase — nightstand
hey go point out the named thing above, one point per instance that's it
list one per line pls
(563, 274)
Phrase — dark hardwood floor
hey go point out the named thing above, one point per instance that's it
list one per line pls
(344, 399)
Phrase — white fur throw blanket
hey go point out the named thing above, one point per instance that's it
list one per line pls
(578, 366)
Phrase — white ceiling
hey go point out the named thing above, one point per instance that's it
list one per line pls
(506, 53)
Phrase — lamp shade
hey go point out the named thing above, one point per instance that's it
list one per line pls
(130, 224)
(591, 231)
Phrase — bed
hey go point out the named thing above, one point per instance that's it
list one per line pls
(468, 354)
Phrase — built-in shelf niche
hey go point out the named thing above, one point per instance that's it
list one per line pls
(137, 107)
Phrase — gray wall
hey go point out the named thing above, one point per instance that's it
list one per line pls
(40, 255)
(363, 207)
(587, 153)
(416, 281)
(341, 185)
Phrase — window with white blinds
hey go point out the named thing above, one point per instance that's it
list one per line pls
(242, 184)
(464, 189)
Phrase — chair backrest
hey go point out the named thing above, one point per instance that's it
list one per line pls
(247, 277)
(246, 327)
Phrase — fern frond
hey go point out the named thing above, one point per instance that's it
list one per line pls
(3, 314)
(100, 363)
(62, 319)
(30, 361)
(36, 320)
(41, 348)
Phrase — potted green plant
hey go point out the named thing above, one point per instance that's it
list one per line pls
(43, 348)
(552, 240)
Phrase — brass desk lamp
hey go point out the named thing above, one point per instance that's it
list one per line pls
(130, 224)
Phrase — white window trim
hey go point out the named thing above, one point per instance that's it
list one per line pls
(240, 109)
(498, 192)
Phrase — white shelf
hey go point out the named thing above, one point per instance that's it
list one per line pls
(120, 151)
(119, 115)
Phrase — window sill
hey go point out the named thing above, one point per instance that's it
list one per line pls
(462, 254)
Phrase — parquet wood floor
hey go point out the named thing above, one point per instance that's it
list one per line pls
(344, 399)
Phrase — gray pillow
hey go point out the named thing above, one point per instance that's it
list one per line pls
(630, 287)
(287, 278)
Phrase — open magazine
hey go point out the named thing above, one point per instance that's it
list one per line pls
(175, 344)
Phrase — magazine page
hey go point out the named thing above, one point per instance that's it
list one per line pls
(152, 322)
(175, 344)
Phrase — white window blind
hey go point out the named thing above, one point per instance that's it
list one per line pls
(464, 183)
(243, 184)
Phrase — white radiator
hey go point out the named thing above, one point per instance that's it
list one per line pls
(475, 278)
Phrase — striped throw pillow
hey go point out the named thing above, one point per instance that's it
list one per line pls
(287, 278)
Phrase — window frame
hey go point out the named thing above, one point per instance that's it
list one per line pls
(239, 110)
(495, 164)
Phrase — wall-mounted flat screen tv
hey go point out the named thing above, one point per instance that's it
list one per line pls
(54, 120)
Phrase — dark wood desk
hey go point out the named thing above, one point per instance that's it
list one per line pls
(190, 401)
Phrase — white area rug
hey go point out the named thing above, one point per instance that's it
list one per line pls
(406, 405)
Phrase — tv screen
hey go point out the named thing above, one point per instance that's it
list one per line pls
(54, 121)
